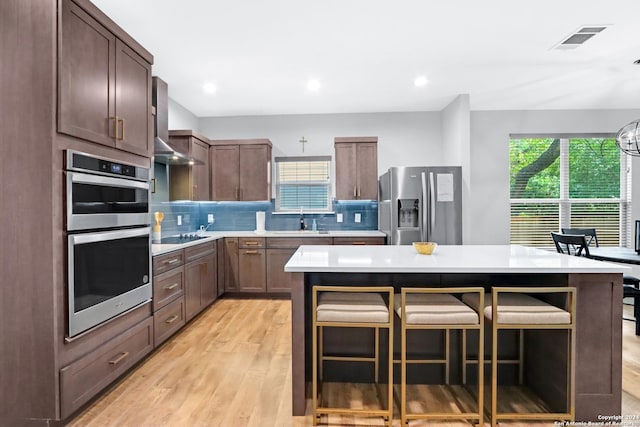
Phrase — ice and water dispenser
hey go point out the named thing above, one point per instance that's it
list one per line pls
(408, 212)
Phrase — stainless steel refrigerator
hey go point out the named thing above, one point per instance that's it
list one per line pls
(419, 204)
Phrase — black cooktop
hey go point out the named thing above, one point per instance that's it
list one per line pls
(182, 238)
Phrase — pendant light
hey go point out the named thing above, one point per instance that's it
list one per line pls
(628, 138)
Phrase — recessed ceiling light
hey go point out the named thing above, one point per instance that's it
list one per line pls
(421, 81)
(209, 87)
(313, 85)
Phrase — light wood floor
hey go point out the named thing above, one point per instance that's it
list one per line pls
(232, 367)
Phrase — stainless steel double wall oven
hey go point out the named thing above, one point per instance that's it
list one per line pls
(108, 237)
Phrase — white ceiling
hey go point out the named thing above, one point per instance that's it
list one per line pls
(366, 53)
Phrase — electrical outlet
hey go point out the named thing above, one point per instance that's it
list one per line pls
(179, 219)
(210, 219)
(339, 217)
(358, 217)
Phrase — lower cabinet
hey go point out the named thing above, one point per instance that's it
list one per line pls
(87, 376)
(278, 280)
(200, 277)
(252, 269)
(168, 320)
(231, 273)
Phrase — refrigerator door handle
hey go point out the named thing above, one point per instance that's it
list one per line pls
(432, 202)
(424, 233)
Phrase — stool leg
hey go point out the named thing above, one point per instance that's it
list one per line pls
(447, 342)
(390, 378)
(521, 357)
(403, 375)
(314, 385)
(494, 375)
(321, 350)
(636, 313)
(464, 356)
(481, 376)
(376, 362)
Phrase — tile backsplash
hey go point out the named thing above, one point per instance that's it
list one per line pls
(242, 216)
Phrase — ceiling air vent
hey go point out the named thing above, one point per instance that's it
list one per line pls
(579, 37)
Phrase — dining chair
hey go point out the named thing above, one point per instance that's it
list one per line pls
(589, 233)
(571, 244)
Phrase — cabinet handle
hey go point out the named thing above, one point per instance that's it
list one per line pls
(251, 252)
(355, 194)
(359, 193)
(120, 358)
(173, 286)
(171, 319)
(358, 243)
(121, 120)
(172, 261)
(195, 191)
(115, 126)
(251, 243)
(153, 182)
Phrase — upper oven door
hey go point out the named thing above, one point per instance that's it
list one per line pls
(95, 201)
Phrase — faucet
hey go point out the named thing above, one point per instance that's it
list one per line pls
(302, 225)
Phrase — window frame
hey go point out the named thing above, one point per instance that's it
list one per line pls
(327, 184)
(564, 202)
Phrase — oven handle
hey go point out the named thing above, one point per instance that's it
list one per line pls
(84, 178)
(101, 236)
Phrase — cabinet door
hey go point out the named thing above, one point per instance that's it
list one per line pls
(279, 280)
(86, 77)
(346, 184)
(231, 264)
(209, 287)
(133, 101)
(367, 171)
(252, 271)
(200, 173)
(255, 172)
(220, 253)
(225, 163)
(192, 288)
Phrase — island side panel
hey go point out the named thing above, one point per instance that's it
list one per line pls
(298, 345)
(598, 353)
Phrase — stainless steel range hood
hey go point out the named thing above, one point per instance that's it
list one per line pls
(163, 151)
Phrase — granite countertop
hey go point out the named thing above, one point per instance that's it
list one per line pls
(159, 249)
(445, 259)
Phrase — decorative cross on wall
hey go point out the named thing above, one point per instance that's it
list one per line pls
(303, 141)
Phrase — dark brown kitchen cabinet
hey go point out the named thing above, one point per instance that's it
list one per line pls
(252, 265)
(231, 266)
(356, 168)
(104, 86)
(240, 170)
(279, 250)
(190, 182)
(200, 278)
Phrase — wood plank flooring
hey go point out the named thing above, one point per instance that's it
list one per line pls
(232, 367)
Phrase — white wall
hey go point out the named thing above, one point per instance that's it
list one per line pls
(410, 139)
(488, 202)
(181, 118)
(477, 140)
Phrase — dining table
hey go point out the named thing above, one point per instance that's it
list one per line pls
(615, 254)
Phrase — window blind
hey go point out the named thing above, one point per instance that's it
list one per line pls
(303, 183)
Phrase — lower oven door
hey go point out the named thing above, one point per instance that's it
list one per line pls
(108, 274)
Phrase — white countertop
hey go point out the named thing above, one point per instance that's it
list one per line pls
(159, 249)
(445, 259)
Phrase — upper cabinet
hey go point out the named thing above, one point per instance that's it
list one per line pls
(104, 84)
(190, 182)
(240, 169)
(356, 168)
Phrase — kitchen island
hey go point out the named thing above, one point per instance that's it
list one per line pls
(598, 317)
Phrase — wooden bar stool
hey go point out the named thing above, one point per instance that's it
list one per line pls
(517, 310)
(439, 309)
(351, 307)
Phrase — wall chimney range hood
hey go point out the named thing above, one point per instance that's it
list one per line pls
(163, 151)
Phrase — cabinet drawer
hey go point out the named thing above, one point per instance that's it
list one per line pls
(198, 251)
(167, 286)
(168, 320)
(358, 240)
(251, 242)
(86, 377)
(164, 262)
(294, 242)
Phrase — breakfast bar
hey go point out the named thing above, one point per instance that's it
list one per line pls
(598, 355)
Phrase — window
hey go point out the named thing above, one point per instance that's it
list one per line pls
(303, 183)
(562, 182)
